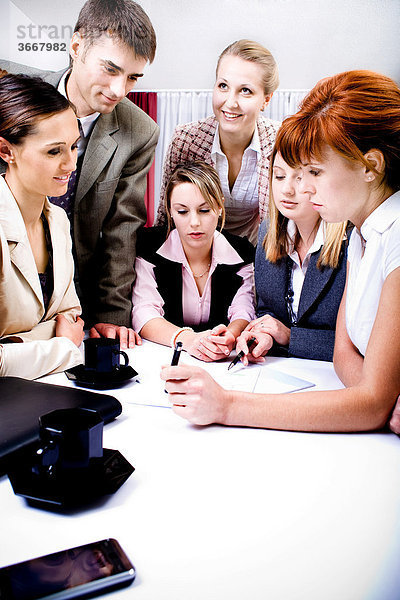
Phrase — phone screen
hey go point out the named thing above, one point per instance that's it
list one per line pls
(69, 573)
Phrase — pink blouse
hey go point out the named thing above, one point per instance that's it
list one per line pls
(148, 303)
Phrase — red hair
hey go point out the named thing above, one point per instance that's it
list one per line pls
(353, 112)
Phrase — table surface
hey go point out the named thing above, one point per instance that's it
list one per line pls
(217, 512)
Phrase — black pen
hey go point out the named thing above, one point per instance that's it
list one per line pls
(177, 354)
(241, 353)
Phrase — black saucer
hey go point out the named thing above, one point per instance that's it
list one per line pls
(73, 487)
(89, 378)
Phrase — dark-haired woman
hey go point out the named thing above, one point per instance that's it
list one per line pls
(346, 141)
(40, 327)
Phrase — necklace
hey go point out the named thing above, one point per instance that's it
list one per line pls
(202, 275)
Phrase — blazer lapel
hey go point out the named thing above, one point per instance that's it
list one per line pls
(21, 256)
(20, 250)
(267, 139)
(314, 283)
(100, 149)
(58, 244)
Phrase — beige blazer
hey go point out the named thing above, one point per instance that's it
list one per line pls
(22, 312)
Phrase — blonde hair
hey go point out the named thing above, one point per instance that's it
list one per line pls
(256, 53)
(205, 178)
(276, 240)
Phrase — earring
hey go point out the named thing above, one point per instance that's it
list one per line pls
(369, 178)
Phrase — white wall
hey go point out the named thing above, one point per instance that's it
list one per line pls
(309, 38)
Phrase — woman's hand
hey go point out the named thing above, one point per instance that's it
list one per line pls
(263, 343)
(220, 342)
(193, 344)
(195, 395)
(72, 331)
(210, 345)
(128, 338)
(271, 326)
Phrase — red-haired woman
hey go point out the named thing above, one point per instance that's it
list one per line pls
(346, 139)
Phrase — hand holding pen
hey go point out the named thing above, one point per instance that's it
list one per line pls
(176, 356)
(241, 354)
(252, 346)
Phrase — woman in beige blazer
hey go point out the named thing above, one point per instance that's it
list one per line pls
(40, 327)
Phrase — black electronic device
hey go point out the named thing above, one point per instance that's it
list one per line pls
(77, 572)
(22, 402)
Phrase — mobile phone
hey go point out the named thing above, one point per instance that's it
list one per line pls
(73, 573)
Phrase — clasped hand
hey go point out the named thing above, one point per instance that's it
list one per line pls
(72, 331)
(210, 345)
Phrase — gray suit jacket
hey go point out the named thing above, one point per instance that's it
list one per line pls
(109, 207)
(314, 335)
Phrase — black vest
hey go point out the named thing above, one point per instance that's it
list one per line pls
(168, 274)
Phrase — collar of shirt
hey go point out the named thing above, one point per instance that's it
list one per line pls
(315, 246)
(254, 145)
(382, 217)
(222, 251)
(87, 123)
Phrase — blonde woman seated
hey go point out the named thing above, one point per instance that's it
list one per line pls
(300, 272)
(40, 327)
(197, 281)
(346, 141)
(237, 139)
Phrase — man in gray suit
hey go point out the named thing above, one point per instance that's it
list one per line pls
(111, 44)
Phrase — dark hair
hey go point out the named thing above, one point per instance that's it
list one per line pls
(205, 178)
(352, 112)
(23, 101)
(122, 19)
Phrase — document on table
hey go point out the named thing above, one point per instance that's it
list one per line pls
(253, 378)
(261, 379)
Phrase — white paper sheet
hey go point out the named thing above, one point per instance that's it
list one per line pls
(253, 378)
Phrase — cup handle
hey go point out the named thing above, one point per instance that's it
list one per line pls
(126, 358)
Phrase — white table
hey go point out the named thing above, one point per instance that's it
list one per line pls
(234, 513)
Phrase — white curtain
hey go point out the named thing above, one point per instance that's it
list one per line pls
(176, 107)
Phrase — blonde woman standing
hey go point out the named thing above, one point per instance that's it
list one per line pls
(237, 140)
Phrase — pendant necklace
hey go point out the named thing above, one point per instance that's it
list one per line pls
(202, 275)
